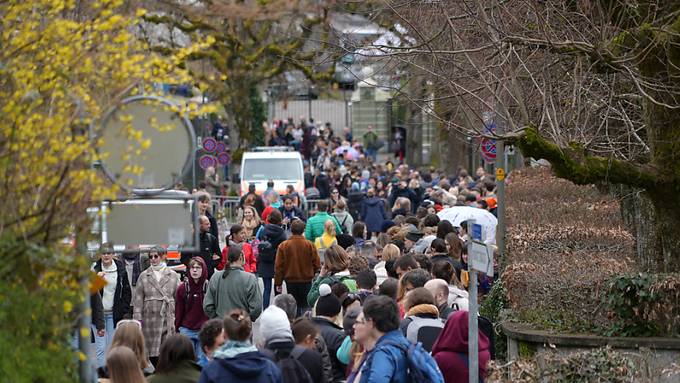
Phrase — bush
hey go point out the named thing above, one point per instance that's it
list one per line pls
(597, 365)
(37, 314)
(492, 308)
(563, 242)
(643, 304)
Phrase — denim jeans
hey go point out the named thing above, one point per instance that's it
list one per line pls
(102, 343)
(193, 335)
(266, 295)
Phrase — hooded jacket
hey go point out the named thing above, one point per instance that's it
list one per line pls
(385, 363)
(315, 225)
(189, 300)
(275, 235)
(245, 367)
(450, 351)
(373, 214)
(122, 296)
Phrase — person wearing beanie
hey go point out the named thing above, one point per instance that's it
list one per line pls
(328, 308)
(278, 343)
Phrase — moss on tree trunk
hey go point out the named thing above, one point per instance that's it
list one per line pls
(657, 229)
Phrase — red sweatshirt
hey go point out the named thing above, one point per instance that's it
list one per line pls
(189, 307)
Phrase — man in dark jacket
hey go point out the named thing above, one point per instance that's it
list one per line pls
(274, 235)
(402, 190)
(322, 183)
(355, 199)
(209, 248)
(373, 212)
(259, 203)
(327, 309)
(204, 209)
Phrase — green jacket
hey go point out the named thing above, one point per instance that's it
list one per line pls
(315, 224)
(342, 277)
(239, 290)
(185, 372)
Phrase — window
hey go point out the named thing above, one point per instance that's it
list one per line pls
(264, 169)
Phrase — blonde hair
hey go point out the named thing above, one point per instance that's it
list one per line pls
(329, 227)
(122, 365)
(129, 334)
(390, 252)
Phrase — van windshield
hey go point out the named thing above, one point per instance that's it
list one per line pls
(264, 169)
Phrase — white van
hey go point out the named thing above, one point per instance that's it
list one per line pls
(278, 164)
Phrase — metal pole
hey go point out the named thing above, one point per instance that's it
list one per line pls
(473, 361)
(85, 366)
(501, 165)
(344, 93)
(473, 336)
(309, 104)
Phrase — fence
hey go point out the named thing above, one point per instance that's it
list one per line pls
(227, 211)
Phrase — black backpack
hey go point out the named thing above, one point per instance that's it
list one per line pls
(292, 371)
(265, 250)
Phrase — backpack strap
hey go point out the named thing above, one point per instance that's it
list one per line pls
(297, 352)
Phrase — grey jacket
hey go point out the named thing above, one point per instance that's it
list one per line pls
(239, 290)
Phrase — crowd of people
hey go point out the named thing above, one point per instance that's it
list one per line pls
(371, 286)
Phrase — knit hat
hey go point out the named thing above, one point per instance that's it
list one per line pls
(274, 325)
(414, 235)
(386, 225)
(345, 240)
(327, 305)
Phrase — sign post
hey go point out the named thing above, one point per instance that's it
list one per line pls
(479, 260)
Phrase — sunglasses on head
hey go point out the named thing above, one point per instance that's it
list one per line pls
(138, 323)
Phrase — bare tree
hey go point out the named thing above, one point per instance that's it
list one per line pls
(592, 86)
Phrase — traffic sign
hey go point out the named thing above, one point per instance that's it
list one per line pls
(488, 149)
(500, 174)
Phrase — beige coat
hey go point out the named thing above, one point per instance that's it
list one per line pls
(155, 307)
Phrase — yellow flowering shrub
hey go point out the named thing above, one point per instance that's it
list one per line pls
(63, 64)
(61, 68)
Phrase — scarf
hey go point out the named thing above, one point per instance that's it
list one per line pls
(423, 309)
(250, 225)
(233, 348)
(158, 271)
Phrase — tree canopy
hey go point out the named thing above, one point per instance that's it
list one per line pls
(592, 86)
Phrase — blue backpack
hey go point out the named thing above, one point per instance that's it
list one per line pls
(420, 364)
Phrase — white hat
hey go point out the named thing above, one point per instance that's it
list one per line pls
(274, 324)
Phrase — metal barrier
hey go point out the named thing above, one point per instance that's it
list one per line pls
(311, 206)
(227, 211)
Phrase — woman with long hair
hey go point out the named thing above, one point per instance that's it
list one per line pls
(327, 239)
(385, 268)
(122, 365)
(251, 222)
(177, 362)
(129, 334)
(238, 235)
(335, 269)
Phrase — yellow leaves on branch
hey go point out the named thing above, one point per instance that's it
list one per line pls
(60, 69)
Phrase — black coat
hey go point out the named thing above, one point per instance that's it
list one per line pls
(322, 183)
(333, 335)
(275, 235)
(123, 294)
